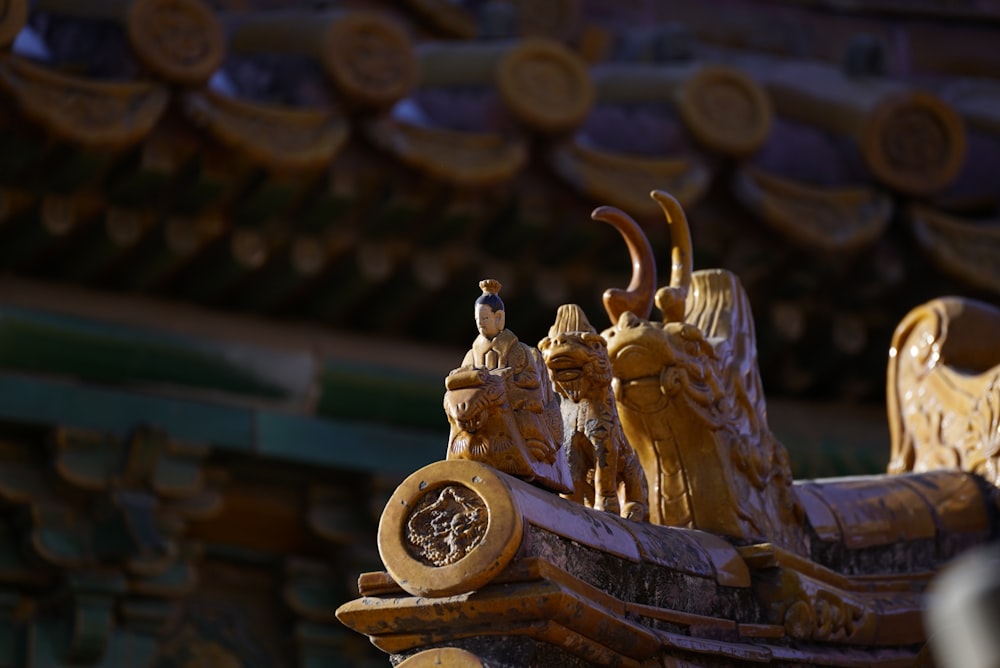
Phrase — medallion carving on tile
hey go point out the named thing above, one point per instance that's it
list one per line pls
(180, 40)
(446, 525)
(726, 110)
(370, 58)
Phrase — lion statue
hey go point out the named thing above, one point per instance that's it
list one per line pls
(604, 467)
(486, 429)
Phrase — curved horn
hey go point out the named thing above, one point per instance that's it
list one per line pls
(671, 299)
(638, 296)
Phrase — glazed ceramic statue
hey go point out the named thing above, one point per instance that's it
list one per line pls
(944, 389)
(690, 398)
(738, 565)
(604, 467)
(499, 403)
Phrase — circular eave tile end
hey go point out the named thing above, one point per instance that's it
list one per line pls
(545, 85)
(370, 59)
(474, 501)
(443, 656)
(914, 142)
(726, 111)
(179, 40)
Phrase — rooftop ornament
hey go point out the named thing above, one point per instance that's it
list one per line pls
(653, 123)
(910, 140)
(493, 559)
(480, 102)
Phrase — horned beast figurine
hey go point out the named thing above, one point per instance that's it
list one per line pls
(690, 397)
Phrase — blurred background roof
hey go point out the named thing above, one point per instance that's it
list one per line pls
(240, 243)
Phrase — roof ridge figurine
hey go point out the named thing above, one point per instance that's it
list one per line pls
(690, 397)
(536, 559)
(500, 406)
(605, 469)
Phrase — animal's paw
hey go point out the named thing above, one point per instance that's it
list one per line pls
(635, 511)
(541, 451)
(607, 503)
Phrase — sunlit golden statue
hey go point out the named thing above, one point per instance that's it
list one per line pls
(944, 389)
(522, 548)
(690, 398)
(604, 467)
(500, 406)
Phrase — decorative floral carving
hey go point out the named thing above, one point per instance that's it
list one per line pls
(799, 619)
(827, 617)
(837, 618)
(446, 525)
